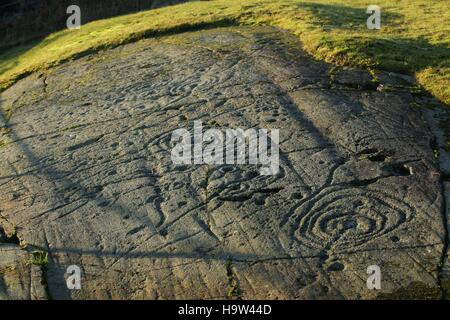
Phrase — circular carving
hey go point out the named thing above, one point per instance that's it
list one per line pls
(343, 218)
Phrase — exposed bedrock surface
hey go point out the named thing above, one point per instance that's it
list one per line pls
(86, 175)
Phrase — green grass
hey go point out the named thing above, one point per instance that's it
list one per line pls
(233, 292)
(39, 258)
(414, 39)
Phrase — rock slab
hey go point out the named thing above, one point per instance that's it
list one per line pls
(86, 174)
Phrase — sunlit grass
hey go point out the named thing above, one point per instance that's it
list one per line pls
(415, 34)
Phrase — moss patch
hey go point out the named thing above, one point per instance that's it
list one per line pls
(39, 258)
(234, 291)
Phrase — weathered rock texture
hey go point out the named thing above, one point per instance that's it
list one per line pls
(86, 174)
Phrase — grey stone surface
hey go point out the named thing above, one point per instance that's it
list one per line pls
(436, 116)
(86, 174)
(19, 279)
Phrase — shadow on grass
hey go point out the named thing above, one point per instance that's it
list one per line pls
(380, 50)
(25, 21)
(331, 16)
(400, 54)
